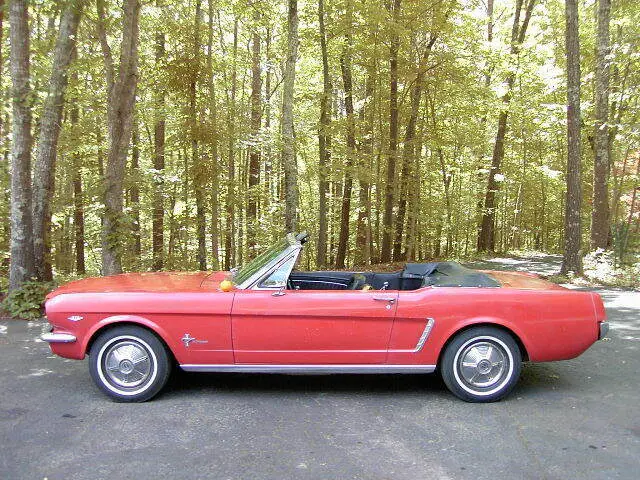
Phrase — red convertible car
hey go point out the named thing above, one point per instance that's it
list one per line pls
(475, 327)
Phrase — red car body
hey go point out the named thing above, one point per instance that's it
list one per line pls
(320, 327)
(208, 329)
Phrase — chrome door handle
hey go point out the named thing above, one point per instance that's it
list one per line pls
(385, 299)
(278, 293)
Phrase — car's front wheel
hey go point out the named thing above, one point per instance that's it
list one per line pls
(481, 364)
(129, 363)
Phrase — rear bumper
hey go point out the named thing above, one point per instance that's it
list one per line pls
(58, 337)
(604, 329)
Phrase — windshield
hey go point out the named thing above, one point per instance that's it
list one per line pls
(244, 273)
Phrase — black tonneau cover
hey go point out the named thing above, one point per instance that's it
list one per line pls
(445, 274)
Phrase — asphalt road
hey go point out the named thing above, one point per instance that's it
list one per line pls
(565, 420)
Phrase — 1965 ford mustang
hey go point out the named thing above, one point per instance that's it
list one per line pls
(475, 327)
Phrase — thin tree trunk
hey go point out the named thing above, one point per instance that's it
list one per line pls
(483, 121)
(572, 260)
(78, 205)
(121, 99)
(601, 165)
(50, 123)
(387, 222)
(1, 64)
(409, 148)
(268, 184)
(288, 135)
(134, 192)
(486, 239)
(199, 172)
(324, 143)
(159, 123)
(22, 267)
(254, 151)
(78, 200)
(347, 82)
(229, 253)
(363, 225)
(215, 234)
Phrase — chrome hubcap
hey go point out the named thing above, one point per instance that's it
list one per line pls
(127, 364)
(483, 364)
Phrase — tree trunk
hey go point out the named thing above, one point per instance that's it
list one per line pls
(229, 250)
(50, 123)
(22, 267)
(78, 201)
(1, 63)
(121, 90)
(572, 260)
(486, 238)
(134, 192)
(288, 136)
(601, 165)
(387, 221)
(347, 82)
(409, 152)
(215, 234)
(254, 150)
(78, 204)
(157, 216)
(199, 173)
(324, 143)
(362, 255)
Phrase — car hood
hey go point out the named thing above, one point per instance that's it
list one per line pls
(145, 282)
(522, 280)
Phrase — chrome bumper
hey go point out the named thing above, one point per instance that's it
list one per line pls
(604, 329)
(58, 337)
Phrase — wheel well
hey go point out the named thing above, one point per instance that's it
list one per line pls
(111, 326)
(523, 350)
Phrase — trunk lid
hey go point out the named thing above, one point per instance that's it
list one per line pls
(522, 280)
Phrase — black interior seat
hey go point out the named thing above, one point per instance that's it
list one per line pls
(357, 282)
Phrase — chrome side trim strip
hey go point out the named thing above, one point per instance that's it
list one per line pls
(425, 334)
(309, 369)
(421, 341)
(58, 337)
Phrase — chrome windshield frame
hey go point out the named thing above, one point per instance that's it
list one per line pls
(294, 248)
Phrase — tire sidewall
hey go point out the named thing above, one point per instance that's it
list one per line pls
(448, 365)
(161, 365)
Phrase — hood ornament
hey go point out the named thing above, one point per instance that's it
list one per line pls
(188, 339)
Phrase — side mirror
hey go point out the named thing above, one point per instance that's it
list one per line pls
(279, 293)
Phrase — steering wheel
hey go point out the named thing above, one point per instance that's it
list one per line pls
(290, 284)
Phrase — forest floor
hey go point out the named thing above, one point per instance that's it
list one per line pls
(572, 419)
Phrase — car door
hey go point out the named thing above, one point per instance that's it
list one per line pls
(312, 327)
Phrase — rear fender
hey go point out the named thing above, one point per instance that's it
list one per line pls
(487, 321)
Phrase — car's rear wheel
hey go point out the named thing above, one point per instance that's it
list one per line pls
(129, 363)
(481, 364)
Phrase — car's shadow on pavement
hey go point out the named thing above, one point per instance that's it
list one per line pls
(534, 378)
(186, 383)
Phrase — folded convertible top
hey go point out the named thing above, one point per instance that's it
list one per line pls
(446, 274)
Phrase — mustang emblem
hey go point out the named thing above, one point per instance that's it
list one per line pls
(187, 339)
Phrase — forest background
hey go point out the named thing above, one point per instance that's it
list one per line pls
(185, 135)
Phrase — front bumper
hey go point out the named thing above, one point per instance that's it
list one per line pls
(58, 337)
(604, 329)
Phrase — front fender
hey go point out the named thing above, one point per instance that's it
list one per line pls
(124, 319)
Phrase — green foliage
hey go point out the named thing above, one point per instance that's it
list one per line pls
(27, 301)
(207, 144)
